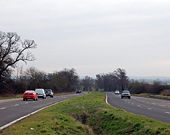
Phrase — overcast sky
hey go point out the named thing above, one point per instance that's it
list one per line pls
(94, 36)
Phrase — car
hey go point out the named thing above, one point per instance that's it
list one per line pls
(30, 94)
(78, 91)
(49, 92)
(117, 92)
(40, 93)
(126, 94)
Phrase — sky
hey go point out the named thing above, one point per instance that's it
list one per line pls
(93, 36)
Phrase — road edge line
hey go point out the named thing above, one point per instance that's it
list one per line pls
(106, 100)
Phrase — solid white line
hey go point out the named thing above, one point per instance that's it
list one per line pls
(7, 125)
(106, 100)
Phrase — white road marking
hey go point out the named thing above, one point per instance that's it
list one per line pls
(149, 108)
(167, 112)
(107, 101)
(16, 105)
(163, 105)
(2, 108)
(138, 105)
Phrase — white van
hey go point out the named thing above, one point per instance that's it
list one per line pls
(40, 93)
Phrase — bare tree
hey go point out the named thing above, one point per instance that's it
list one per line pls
(122, 78)
(88, 83)
(112, 81)
(12, 51)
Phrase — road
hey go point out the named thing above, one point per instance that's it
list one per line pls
(13, 110)
(154, 108)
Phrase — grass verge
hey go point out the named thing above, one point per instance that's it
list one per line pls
(80, 115)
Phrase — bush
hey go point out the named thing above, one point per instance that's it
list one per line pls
(166, 92)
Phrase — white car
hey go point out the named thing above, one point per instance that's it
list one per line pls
(40, 93)
(125, 94)
(117, 92)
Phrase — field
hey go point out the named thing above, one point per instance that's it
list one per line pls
(87, 115)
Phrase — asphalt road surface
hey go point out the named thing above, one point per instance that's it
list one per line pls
(153, 108)
(12, 110)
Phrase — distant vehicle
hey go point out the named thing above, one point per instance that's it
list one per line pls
(78, 91)
(49, 92)
(125, 93)
(117, 92)
(30, 94)
(40, 93)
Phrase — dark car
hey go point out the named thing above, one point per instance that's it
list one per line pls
(125, 94)
(78, 91)
(49, 92)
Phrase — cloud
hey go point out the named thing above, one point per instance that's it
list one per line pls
(92, 35)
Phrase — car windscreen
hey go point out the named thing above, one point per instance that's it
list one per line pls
(39, 91)
(126, 92)
(29, 92)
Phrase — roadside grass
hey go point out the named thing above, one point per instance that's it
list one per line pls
(87, 115)
(152, 96)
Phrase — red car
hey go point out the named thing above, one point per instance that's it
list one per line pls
(30, 94)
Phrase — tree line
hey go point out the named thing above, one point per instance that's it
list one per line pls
(65, 80)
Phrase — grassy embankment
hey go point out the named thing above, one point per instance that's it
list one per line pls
(84, 116)
(153, 96)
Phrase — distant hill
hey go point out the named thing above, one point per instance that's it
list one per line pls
(151, 79)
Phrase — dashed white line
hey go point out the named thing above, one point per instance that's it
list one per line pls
(16, 105)
(163, 105)
(138, 105)
(167, 112)
(2, 108)
(149, 108)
